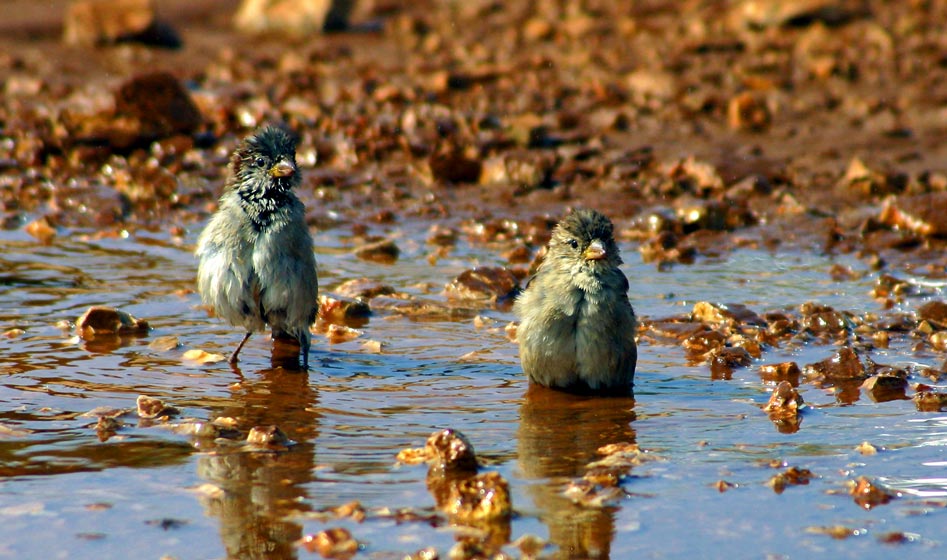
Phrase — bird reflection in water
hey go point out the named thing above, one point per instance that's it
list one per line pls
(263, 489)
(559, 435)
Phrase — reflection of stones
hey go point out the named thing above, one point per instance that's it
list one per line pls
(784, 407)
(559, 436)
(262, 481)
(480, 503)
(248, 506)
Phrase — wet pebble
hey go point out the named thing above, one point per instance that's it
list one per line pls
(450, 450)
(792, 476)
(845, 364)
(483, 283)
(869, 494)
(483, 497)
(363, 288)
(724, 360)
(785, 401)
(345, 311)
(335, 542)
(788, 371)
(268, 436)
(384, 251)
(930, 401)
(887, 385)
(149, 407)
(108, 320)
(922, 214)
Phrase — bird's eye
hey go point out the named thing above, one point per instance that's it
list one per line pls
(573, 243)
(259, 162)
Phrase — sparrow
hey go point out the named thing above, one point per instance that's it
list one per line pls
(256, 262)
(577, 327)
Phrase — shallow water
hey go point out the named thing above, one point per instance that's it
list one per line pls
(66, 494)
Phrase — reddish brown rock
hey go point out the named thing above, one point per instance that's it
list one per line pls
(845, 364)
(363, 288)
(785, 371)
(934, 312)
(483, 283)
(724, 360)
(930, 401)
(484, 497)
(869, 494)
(107, 320)
(922, 214)
(735, 314)
(343, 311)
(384, 251)
(887, 385)
(335, 542)
(450, 450)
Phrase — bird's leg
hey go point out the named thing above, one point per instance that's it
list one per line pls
(233, 357)
(304, 343)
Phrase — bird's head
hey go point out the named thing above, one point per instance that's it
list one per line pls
(264, 165)
(585, 237)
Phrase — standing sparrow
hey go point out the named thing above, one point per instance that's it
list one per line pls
(577, 328)
(257, 266)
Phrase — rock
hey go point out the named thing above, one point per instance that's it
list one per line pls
(922, 214)
(826, 323)
(350, 312)
(450, 450)
(869, 494)
(384, 251)
(441, 235)
(41, 230)
(453, 165)
(703, 342)
(788, 371)
(89, 23)
(483, 283)
(792, 476)
(159, 103)
(336, 334)
(484, 497)
(749, 111)
(297, 18)
(363, 288)
(724, 360)
(845, 364)
(267, 436)
(785, 402)
(887, 385)
(107, 320)
(930, 401)
(773, 13)
(732, 314)
(525, 170)
(863, 180)
(149, 407)
(934, 312)
(165, 343)
(335, 542)
(148, 107)
(202, 357)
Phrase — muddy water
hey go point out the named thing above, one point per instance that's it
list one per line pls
(65, 493)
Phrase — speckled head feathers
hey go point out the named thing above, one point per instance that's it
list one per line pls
(587, 224)
(266, 146)
(585, 234)
(271, 141)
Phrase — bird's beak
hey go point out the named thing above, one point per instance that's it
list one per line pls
(594, 252)
(283, 168)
